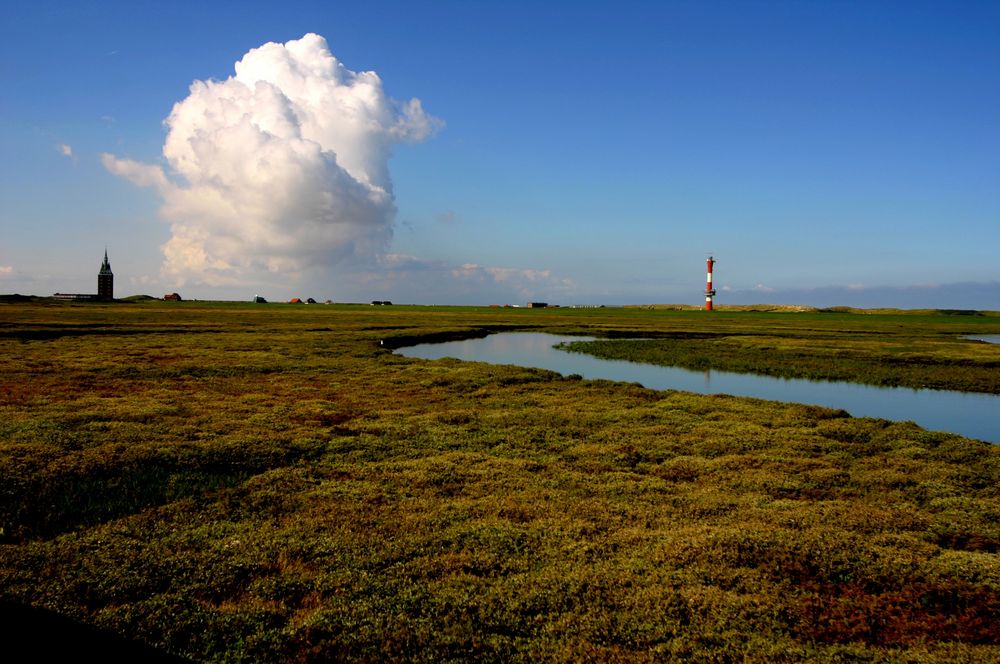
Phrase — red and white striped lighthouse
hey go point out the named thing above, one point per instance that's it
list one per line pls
(709, 291)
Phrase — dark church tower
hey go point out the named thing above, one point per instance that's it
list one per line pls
(106, 280)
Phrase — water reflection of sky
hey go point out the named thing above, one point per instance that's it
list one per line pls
(973, 415)
(988, 338)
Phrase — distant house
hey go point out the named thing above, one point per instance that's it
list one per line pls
(171, 297)
(78, 297)
(537, 305)
(295, 300)
(257, 299)
(310, 301)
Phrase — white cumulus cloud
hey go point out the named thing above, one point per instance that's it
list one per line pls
(281, 167)
(65, 150)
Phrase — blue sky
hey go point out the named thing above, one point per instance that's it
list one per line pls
(583, 152)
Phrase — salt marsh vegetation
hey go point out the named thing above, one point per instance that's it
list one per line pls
(272, 483)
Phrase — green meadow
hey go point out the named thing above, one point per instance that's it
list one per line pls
(271, 483)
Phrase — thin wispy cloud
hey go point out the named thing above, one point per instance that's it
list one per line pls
(412, 278)
(65, 150)
(447, 217)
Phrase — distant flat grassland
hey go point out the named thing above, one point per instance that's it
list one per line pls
(235, 482)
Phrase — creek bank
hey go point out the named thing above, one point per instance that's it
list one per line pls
(968, 414)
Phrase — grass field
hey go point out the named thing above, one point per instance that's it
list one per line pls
(231, 482)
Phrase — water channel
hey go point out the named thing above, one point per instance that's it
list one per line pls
(968, 414)
(988, 338)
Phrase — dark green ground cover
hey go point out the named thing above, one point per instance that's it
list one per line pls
(270, 483)
(898, 350)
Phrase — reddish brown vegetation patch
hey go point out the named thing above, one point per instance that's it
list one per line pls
(921, 612)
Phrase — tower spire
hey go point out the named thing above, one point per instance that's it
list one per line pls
(106, 279)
